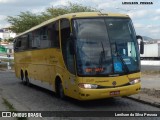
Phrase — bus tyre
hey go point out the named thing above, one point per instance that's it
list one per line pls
(27, 80)
(22, 78)
(61, 91)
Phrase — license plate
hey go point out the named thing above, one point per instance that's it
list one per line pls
(114, 93)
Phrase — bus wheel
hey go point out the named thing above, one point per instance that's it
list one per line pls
(27, 79)
(22, 77)
(60, 90)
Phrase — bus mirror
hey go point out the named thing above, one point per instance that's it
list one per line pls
(141, 47)
(141, 43)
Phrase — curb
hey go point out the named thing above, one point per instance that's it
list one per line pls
(150, 62)
(146, 99)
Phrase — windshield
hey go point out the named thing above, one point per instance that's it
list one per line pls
(105, 46)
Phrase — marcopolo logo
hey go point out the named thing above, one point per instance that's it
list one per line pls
(114, 83)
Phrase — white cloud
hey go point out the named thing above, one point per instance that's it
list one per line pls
(149, 26)
(38, 10)
(107, 5)
(7, 1)
(138, 25)
(4, 1)
(158, 11)
(154, 30)
(2, 17)
(4, 25)
(156, 18)
(139, 14)
(148, 30)
(59, 3)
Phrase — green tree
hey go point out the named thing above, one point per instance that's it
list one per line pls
(10, 40)
(27, 20)
(53, 12)
(24, 21)
(80, 8)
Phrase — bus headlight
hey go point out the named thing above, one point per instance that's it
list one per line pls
(135, 81)
(87, 86)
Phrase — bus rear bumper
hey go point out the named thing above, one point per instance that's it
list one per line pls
(91, 94)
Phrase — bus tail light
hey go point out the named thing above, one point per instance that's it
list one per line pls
(135, 81)
(87, 86)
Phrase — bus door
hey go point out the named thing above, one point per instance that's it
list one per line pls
(69, 75)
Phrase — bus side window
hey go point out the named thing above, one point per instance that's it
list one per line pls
(53, 34)
(30, 38)
(21, 43)
(24, 42)
(44, 37)
(65, 39)
(36, 39)
(17, 44)
(56, 34)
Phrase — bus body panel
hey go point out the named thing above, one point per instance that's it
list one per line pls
(91, 94)
(45, 66)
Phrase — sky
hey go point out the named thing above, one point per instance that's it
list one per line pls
(145, 18)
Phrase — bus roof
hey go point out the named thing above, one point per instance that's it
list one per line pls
(75, 15)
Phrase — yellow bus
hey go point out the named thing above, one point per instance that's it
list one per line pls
(85, 56)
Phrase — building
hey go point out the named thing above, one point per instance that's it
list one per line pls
(6, 49)
(3, 49)
(5, 33)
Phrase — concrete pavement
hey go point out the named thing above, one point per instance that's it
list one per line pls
(150, 62)
(3, 107)
(150, 93)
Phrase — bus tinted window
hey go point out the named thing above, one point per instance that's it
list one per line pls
(30, 38)
(18, 43)
(40, 38)
(44, 37)
(21, 43)
(54, 34)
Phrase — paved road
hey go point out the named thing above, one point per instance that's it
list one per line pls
(34, 98)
